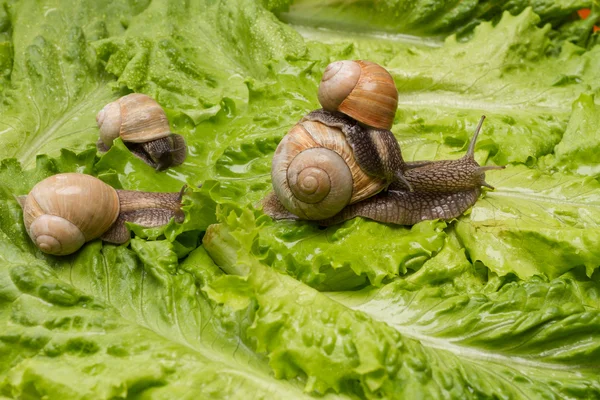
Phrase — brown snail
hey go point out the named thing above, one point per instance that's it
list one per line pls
(363, 90)
(143, 126)
(373, 181)
(343, 153)
(328, 161)
(64, 211)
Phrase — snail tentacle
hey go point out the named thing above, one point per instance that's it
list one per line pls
(471, 150)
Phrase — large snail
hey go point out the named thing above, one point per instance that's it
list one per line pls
(64, 211)
(330, 167)
(316, 171)
(143, 126)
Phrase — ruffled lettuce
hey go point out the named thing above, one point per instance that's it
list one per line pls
(502, 303)
(422, 17)
(464, 334)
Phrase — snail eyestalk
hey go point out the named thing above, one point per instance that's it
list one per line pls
(471, 150)
(403, 179)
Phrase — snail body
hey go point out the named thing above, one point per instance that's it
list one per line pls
(143, 126)
(442, 190)
(64, 211)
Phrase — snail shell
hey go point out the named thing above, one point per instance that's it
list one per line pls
(142, 123)
(362, 90)
(315, 174)
(61, 212)
(136, 118)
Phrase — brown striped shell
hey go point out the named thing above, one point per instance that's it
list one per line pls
(315, 174)
(136, 118)
(362, 90)
(64, 211)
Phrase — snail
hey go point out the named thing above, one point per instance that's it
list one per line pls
(143, 126)
(441, 190)
(64, 211)
(342, 161)
(362, 90)
(345, 152)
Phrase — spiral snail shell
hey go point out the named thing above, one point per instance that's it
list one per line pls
(328, 161)
(64, 211)
(360, 89)
(143, 126)
(55, 216)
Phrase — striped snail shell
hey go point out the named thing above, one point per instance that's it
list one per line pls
(362, 90)
(316, 170)
(143, 125)
(64, 211)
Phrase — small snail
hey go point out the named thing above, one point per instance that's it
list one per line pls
(64, 211)
(143, 126)
(363, 90)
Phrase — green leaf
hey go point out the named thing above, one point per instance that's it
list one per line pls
(407, 340)
(337, 258)
(501, 303)
(535, 223)
(55, 86)
(160, 337)
(577, 152)
(421, 17)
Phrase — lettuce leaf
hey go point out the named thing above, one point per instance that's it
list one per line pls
(501, 303)
(409, 339)
(422, 17)
(577, 152)
(336, 258)
(126, 323)
(55, 87)
(535, 224)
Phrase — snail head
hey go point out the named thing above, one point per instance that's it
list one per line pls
(166, 152)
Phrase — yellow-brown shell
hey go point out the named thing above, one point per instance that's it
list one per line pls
(66, 210)
(313, 154)
(362, 90)
(136, 118)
